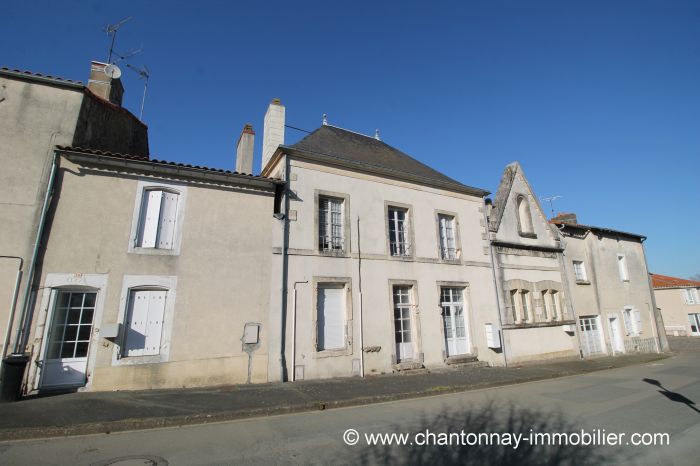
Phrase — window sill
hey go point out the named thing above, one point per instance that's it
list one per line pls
(333, 253)
(135, 360)
(401, 257)
(583, 282)
(154, 251)
(331, 353)
(553, 323)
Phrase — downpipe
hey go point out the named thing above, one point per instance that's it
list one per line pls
(13, 304)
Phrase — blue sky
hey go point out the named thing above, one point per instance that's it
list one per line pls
(598, 100)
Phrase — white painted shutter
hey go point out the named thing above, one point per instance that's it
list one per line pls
(638, 321)
(154, 324)
(331, 323)
(628, 322)
(149, 220)
(168, 217)
(136, 323)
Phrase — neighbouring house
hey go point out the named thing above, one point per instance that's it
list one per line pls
(37, 113)
(535, 309)
(678, 300)
(155, 275)
(384, 261)
(610, 289)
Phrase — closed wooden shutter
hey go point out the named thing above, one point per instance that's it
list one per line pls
(637, 321)
(154, 323)
(331, 318)
(628, 321)
(144, 324)
(168, 218)
(150, 209)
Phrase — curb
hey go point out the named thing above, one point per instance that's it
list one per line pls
(132, 424)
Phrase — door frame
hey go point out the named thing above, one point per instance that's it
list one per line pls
(415, 322)
(54, 282)
(613, 344)
(465, 315)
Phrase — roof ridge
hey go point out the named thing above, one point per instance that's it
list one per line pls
(354, 132)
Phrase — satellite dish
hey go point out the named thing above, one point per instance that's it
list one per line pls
(113, 71)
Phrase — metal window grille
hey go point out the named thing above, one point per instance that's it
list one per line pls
(330, 225)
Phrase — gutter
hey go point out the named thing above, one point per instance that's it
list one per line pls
(13, 305)
(42, 79)
(495, 284)
(24, 322)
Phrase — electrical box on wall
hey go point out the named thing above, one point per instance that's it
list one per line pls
(110, 331)
(251, 334)
(493, 336)
(569, 328)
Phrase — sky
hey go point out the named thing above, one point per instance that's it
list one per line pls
(598, 100)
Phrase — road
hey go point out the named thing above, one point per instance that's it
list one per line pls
(653, 398)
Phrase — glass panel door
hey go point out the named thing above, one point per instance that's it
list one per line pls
(402, 323)
(454, 321)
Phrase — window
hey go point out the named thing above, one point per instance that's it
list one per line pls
(144, 322)
(580, 271)
(691, 296)
(550, 305)
(520, 305)
(524, 217)
(633, 321)
(158, 218)
(71, 329)
(403, 335)
(448, 249)
(330, 224)
(694, 320)
(622, 267)
(330, 312)
(399, 243)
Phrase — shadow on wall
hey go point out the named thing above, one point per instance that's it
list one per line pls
(498, 419)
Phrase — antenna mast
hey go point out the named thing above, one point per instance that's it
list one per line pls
(551, 200)
(111, 30)
(144, 74)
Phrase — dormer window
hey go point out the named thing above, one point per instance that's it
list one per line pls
(524, 218)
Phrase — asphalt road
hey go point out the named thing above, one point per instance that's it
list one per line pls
(652, 398)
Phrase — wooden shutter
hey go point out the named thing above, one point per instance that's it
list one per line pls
(149, 219)
(168, 218)
(637, 321)
(331, 318)
(628, 322)
(137, 318)
(154, 323)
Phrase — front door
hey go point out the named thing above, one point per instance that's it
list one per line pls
(615, 335)
(65, 364)
(589, 331)
(454, 321)
(402, 323)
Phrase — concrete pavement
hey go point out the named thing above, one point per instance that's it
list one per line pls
(87, 413)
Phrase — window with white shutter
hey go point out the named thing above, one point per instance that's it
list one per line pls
(330, 312)
(144, 322)
(622, 267)
(633, 322)
(580, 271)
(627, 319)
(637, 321)
(158, 219)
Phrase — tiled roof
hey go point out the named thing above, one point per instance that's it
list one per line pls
(664, 281)
(141, 158)
(39, 75)
(342, 145)
(598, 229)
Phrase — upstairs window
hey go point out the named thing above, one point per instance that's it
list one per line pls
(330, 225)
(580, 271)
(520, 306)
(622, 267)
(448, 248)
(158, 218)
(524, 217)
(399, 242)
(550, 305)
(691, 296)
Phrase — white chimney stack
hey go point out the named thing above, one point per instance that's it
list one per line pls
(273, 130)
(244, 150)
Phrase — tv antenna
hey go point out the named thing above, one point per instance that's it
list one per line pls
(551, 200)
(111, 30)
(128, 54)
(143, 74)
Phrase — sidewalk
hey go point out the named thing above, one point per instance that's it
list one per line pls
(104, 412)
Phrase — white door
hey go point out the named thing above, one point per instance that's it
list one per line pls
(616, 335)
(65, 363)
(454, 321)
(589, 330)
(402, 323)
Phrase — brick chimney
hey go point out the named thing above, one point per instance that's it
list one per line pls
(565, 217)
(106, 87)
(273, 130)
(244, 150)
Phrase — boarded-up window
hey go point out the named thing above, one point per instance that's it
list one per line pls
(330, 309)
(144, 322)
(158, 219)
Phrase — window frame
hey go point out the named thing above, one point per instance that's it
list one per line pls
(409, 238)
(456, 236)
(345, 227)
(144, 186)
(584, 278)
(691, 296)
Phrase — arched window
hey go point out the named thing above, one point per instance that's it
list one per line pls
(524, 217)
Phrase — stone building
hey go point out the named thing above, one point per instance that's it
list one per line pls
(678, 300)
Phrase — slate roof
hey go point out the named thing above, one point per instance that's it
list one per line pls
(664, 281)
(598, 229)
(350, 148)
(141, 158)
